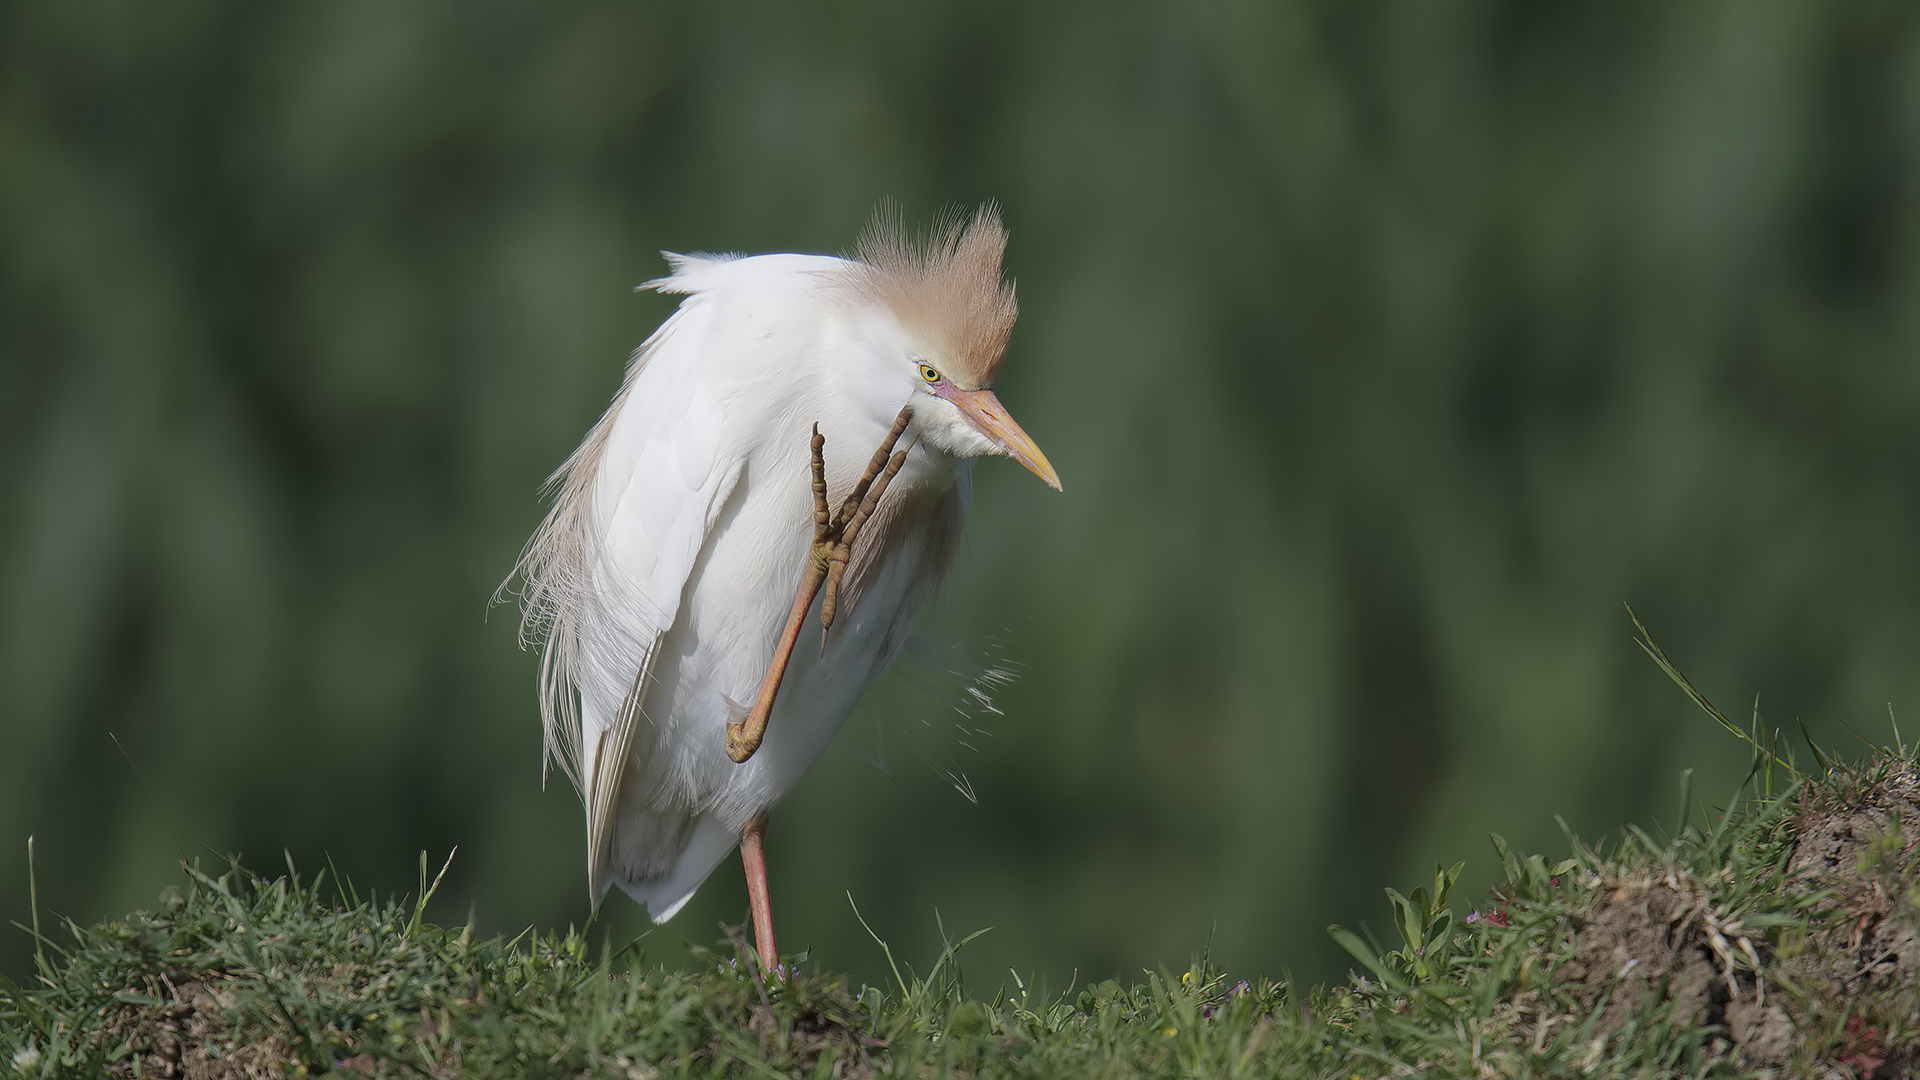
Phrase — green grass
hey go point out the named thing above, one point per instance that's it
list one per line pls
(1781, 933)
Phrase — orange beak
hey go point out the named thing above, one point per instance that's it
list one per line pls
(989, 418)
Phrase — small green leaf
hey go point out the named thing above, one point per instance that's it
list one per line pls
(1405, 918)
(1360, 951)
(1443, 883)
(1508, 861)
(1819, 758)
(1537, 874)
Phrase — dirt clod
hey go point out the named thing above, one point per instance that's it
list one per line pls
(190, 1038)
(1838, 999)
(1642, 942)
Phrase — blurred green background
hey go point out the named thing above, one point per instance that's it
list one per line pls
(1384, 348)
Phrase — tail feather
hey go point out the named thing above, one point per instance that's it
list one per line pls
(707, 842)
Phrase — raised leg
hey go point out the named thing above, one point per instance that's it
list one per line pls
(826, 562)
(753, 856)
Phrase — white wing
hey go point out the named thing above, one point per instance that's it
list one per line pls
(604, 575)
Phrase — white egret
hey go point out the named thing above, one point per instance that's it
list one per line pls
(660, 582)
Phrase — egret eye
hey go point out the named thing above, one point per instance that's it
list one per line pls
(928, 373)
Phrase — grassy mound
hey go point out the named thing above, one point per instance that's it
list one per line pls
(1783, 936)
(1779, 937)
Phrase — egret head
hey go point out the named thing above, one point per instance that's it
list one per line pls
(947, 293)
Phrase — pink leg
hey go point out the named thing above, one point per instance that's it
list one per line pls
(753, 855)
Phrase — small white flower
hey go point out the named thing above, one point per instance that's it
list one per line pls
(26, 1059)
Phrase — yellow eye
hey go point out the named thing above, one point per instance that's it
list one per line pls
(927, 373)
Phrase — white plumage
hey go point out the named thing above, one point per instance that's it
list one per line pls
(660, 580)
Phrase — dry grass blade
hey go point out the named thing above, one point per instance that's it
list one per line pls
(1751, 738)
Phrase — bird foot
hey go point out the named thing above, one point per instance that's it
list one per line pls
(834, 535)
(835, 539)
